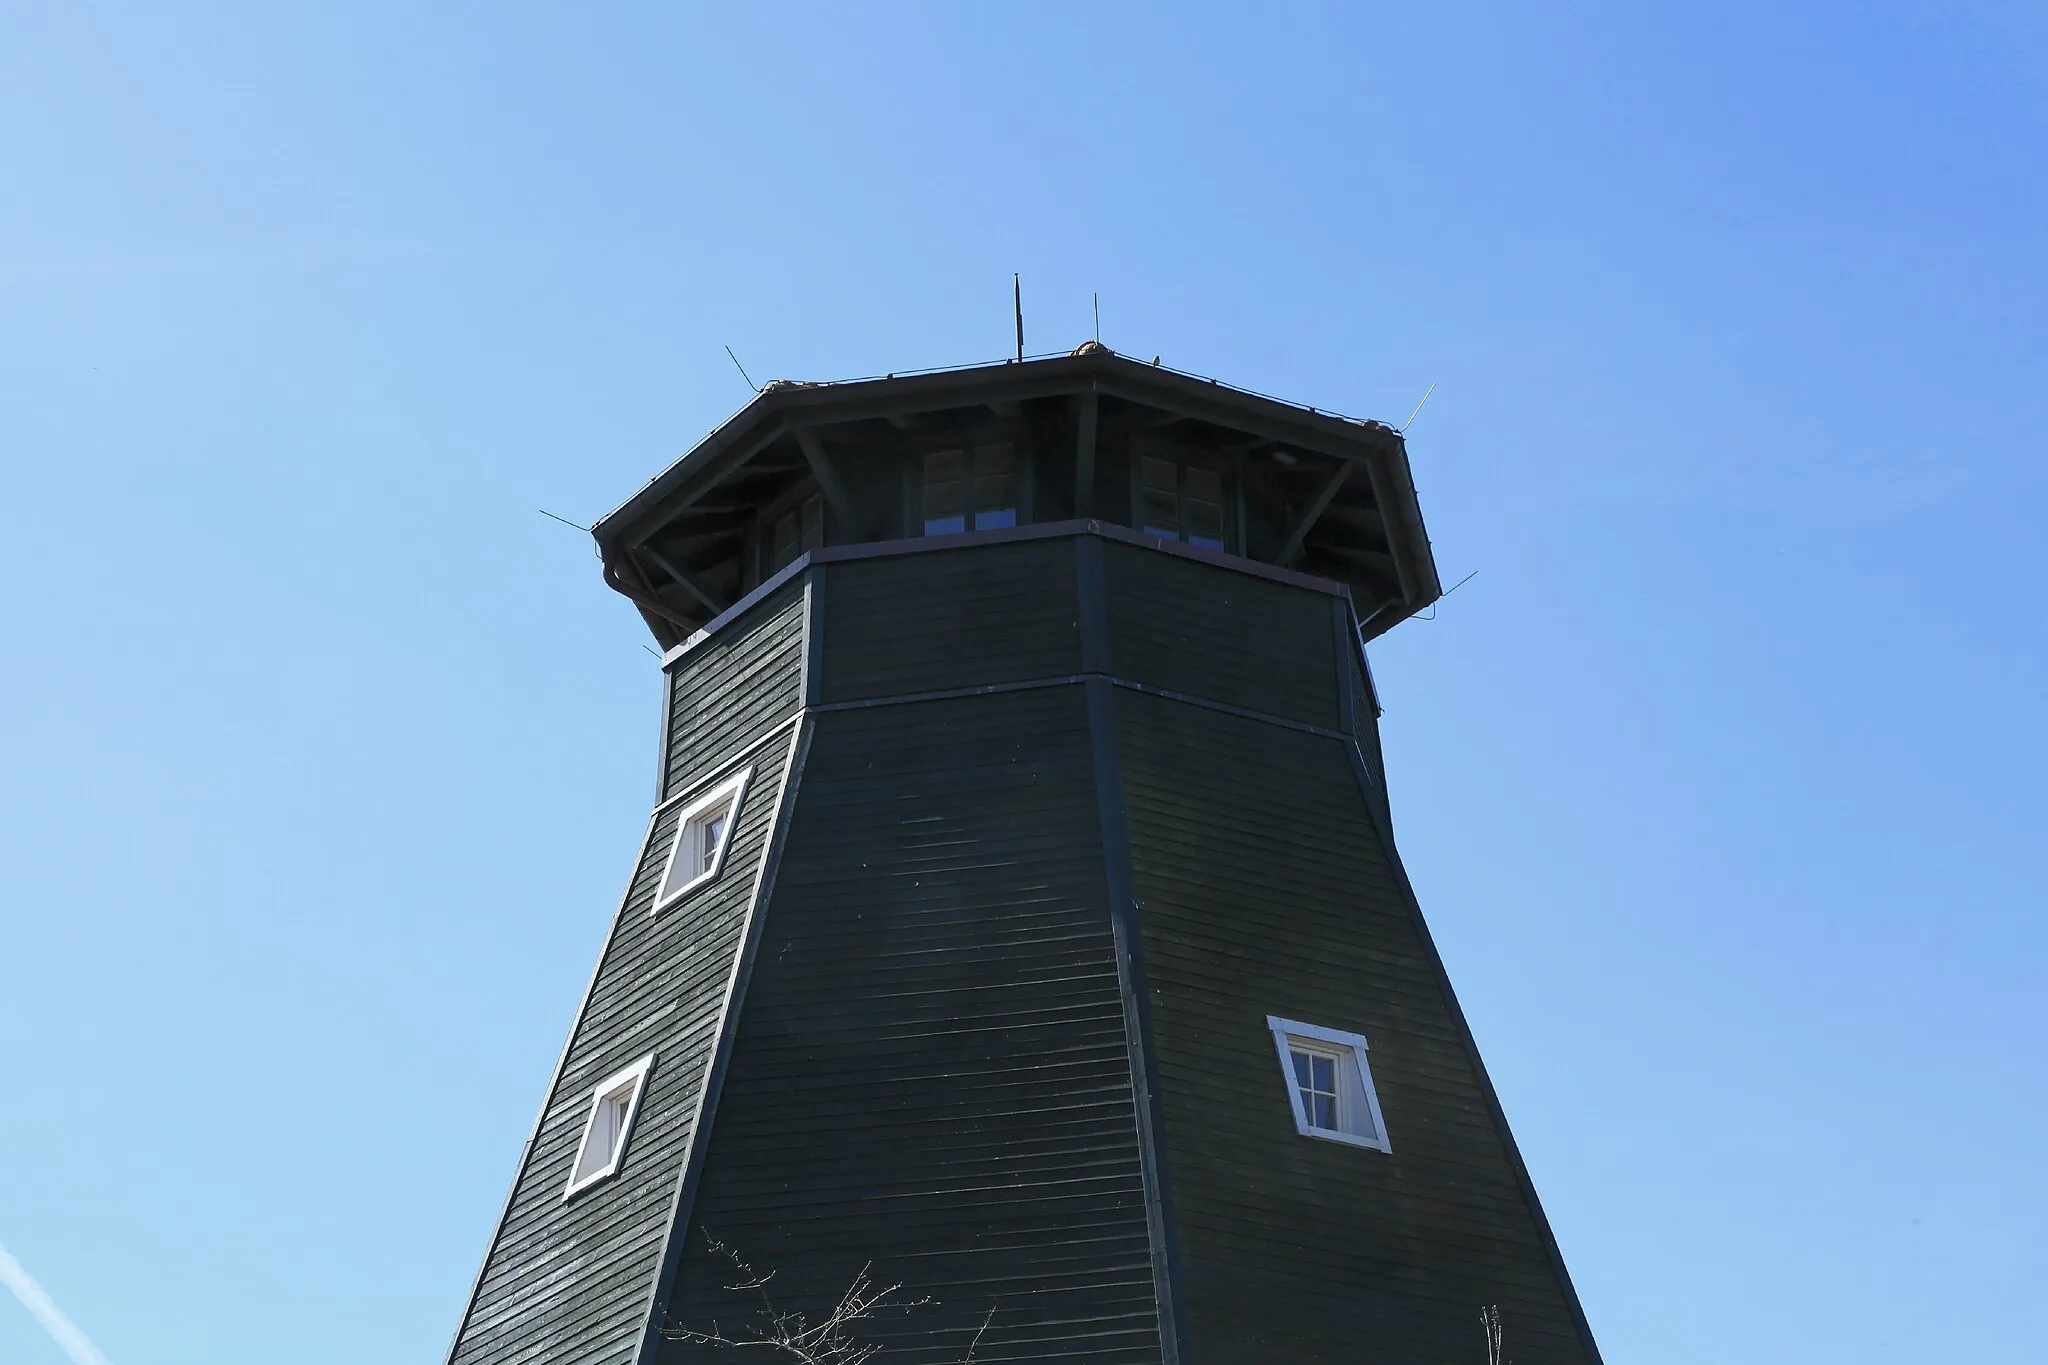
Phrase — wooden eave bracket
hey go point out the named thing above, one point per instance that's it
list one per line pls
(688, 582)
(652, 609)
(826, 475)
(1290, 550)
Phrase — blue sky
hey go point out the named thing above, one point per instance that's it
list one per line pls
(324, 755)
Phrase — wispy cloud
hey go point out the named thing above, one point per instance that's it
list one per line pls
(61, 1329)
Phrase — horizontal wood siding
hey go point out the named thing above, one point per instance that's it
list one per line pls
(1365, 727)
(733, 684)
(930, 1071)
(569, 1282)
(945, 619)
(1209, 632)
(1264, 889)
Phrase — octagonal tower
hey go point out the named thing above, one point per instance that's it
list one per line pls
(1019, 914)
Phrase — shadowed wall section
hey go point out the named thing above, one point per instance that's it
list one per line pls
(1043, 826)
(931, 1072)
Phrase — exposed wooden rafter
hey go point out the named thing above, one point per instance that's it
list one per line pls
(827, 477)
(1291, 548)
(688, 582)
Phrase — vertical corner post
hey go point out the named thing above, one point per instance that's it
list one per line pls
(1161, 1225)
(668, 723)
(669, 1269)
(1084, 454)
(812, 665)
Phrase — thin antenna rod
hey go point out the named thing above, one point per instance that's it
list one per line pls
(564, 520)
(1017, 302)
(743, 370)
(1098, 319)
(1418, 408)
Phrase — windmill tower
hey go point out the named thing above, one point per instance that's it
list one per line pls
(1019, 913)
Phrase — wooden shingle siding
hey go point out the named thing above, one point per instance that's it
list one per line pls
(570, 1281)
(728, 688)
(930, 1072)
(1264, 889)
(1204, 630)
(939, 620)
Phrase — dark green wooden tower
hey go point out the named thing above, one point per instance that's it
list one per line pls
(1019, 912)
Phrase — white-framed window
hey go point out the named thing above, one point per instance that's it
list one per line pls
(613, 1106)
(1329, 1083)
(702, 831)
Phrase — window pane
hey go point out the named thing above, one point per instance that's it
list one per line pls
(1158, 496)
(1325, 1074)
(1300, 1068)
(995, 488)
(782, 541)
(604, 1136)
(1204, 508)
(710, 833)
(1325, 1115)
(813, 534)
(945, 492)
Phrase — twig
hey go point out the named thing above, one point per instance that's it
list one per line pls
(1489, 1322)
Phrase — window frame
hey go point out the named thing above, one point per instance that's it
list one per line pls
(915, 486)
(635, 1076)
(760, 547)
(1350, 1050)
(1229, 484)
(732, 789)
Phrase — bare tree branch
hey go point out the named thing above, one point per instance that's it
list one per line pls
(834, 1340)
(1489, 1322)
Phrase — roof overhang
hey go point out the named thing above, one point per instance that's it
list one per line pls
(782, 408)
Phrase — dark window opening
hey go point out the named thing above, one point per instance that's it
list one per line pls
(797, 528)
(970, 490)
(1180, 502)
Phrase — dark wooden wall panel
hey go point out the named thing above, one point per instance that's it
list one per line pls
(944, 619)
(732, 684)
(930, 1072)
(1265, 890)
(570, 1281)
(1210, 632)
(1365, 728)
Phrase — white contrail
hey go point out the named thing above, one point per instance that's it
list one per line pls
(61, 1329)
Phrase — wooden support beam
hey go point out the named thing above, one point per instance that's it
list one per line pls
(925, 440)
(687, 582)
(1312, 514)
(1147, 419)
(1383, 498)
(828, 478)
(1352, 554)
(1084, 457)
(624, 577)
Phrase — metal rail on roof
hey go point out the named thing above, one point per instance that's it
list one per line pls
(1056, 355)
(1208, 380)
